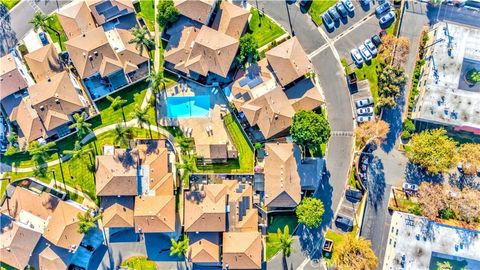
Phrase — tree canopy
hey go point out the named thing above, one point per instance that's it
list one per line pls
(248, 49)
(310, 212)
(354, 253)
(390, 83)
(376, 132)
(470, 157)
(310, 129)
(87, 221)
(285, 241)
(167, 12)
(433, 150)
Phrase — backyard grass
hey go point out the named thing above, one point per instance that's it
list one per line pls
(263, 29)
(275, 223)
(146, 10)
(77, 172)
(272, 245)
(369, 72)
(55, 24)
(139, 263)
(318, 8)
(9, 4)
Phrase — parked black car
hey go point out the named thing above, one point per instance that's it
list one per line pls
(344, 223)
(341, 10)
(376, 40)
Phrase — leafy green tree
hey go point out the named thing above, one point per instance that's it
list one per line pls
(86, 221)
(470, 157)
(185, 143)
(433, 150)
(285, 241)
(11, 150)
(446, 265)
(248, 49)
(40, 21)
(81, 124)
(187, 166)
(180, 248)
(118, 103)
(157, 82)
(39, 152)
(310, 130)
(354, 253)
(474, 76)
(390, 81)
(141, 39)
(122, 135)
(167, 12)
(310, 212)
(12, 138)
(141, 115)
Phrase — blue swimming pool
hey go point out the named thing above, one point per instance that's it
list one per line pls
(192, 106)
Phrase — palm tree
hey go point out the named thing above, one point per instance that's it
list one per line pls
(188, 167)
(141, 115)
(180, 248)
(79, 152)
(285, 243)
(86, 221)
(157, 81)
(82, 126)
(141, 38)
(118, 103)
(39, 21)
(123, 135)
(186, 144)
(39, 152)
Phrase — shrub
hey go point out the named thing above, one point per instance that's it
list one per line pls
(447, 213)
(409, 126)
(406, 135)
(415, 210)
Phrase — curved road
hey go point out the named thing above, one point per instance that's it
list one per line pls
(339, 155)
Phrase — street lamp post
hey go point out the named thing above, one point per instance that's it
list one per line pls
(61, 168)
(54, 179)
(289, 19)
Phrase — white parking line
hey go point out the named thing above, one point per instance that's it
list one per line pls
(34, 5)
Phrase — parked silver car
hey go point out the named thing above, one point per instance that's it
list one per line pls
(371, 47)
(366, 110)
(364, 118)
(365, 52)
(357, 57)
(364, 102)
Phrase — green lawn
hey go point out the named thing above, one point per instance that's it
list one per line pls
(272, 245)
(317, 8)
(145, 9)
(139, 263)
(279, 221)
(76, 172)
(263, 29)
(55, 24)
(9, 4)
(369, 72)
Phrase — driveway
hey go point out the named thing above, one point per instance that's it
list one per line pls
(14, 26)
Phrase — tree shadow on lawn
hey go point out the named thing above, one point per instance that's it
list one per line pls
(376, 182)
(416, 175)
(311, 240)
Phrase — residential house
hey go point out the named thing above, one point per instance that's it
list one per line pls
(38, 228)
(55, 100)
(27, 120)
(136, 188)
(231, 20)
(106, 61)
(287, 176)
(222, 215)
(44, 63)
(76, 19)
(111, 14)
(199, 53)
(198, 10)
(17, 242)
(12, 79)
(269, 93)
(215, 153)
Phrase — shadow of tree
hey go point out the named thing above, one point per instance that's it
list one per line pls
(416, 175)
(393, 116)
(7, 36)
(376, 182)
(461, 180)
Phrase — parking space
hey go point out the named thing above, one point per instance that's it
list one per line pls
(355, 38)
(356, 16)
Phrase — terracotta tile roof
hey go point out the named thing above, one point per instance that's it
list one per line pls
(41, 205)
(44, 62)
(55, 99)
(202, 51)
(83, 47)
(130, 56)
(11, 80)
(205, 211)
(289, 61)
(28, 121)
(242, 250)
(231, 19)
(109, 66)
(241, 194)
(155, 156)
(198, 10)
(62, 229)
(212, 151)
(271, 112)
(120, 4)
(203, 251)
(117, 216)
(17, 242)
(75, 19)
(48, 259)
(154, 214)
(282, 179)
(117, 174)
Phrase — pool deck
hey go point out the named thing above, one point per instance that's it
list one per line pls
(417, 238)
(218, 103)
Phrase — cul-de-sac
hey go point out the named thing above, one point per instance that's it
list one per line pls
(240, 134)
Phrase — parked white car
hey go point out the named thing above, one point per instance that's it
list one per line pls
(365, 118)
(365, 52)
(364, 102)
(371, 47)
(410, 187)
(366, 110)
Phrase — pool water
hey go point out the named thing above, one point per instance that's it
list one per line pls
(191, 106)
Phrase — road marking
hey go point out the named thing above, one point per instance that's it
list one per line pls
(34, 5)
(342, 133)
(353, 27)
